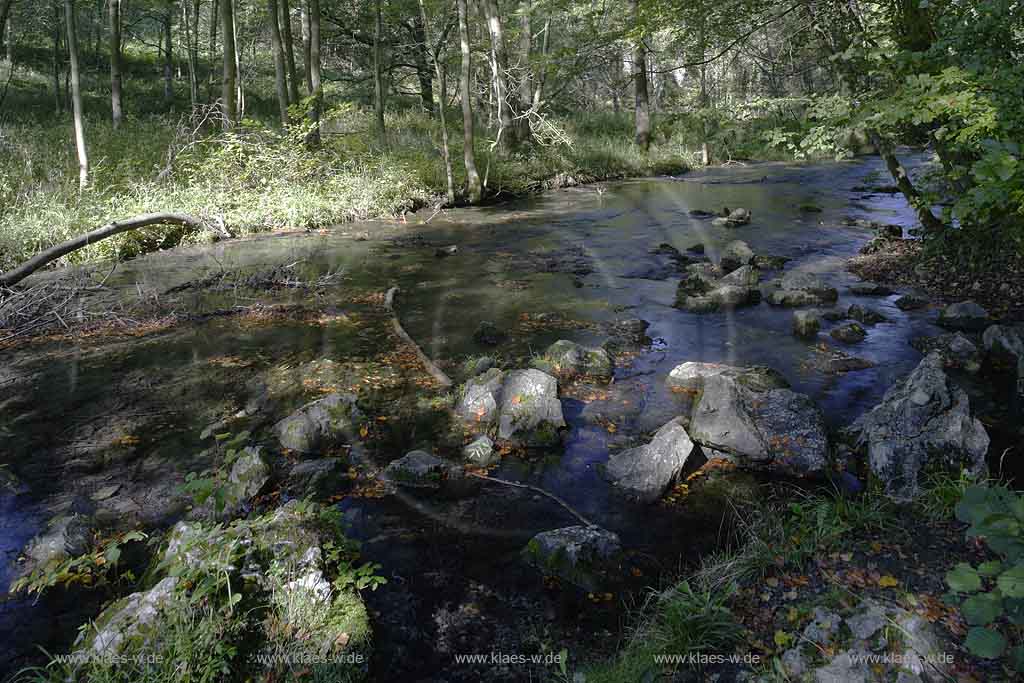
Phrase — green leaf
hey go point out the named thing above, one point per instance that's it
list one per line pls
(1011, 582)
(113, 554)
(981, 609)
(985, 642)
(963, 578)
(990, 569)
(1017, 658)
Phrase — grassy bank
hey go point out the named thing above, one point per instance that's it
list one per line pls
(264, 178)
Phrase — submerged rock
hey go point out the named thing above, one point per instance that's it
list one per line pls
(751, 415)
(956, 350)
(568, 360)
(870, 289)
(965, 315)
(319, 425)
(909, 302)
(865, 315)
(645, 473)
(850, 333)
(923, 423)
(806, 324)
(586, 556)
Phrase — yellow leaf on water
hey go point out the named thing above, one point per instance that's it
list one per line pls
(888, 581)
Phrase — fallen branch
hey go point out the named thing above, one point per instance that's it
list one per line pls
(435, 372)
(586, 522)
(53, 253)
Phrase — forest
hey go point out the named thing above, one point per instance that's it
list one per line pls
(415, 340)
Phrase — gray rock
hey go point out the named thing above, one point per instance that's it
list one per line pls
(848, 666)
(752, 416)
(922, 648)
(1004, 345)
(799, 288)
(137, 616)
(823, 626)
(794, 662)
(66, 536)
(964, 315)
(476, 366)
(768, 262)
(865, 315)
(793, 298)
(744, 276)
(320, 478)
(850, 333)
(645, 473)
(721, 298)
(865, 624)
(319, 425)
(478, 403)
(833, 315)
(870, 289)
(481, 452)
(568, 360)
(700, 278)
(806, 324)
(585, 556)
(908, 302)
(923, 422)
(417, 470)
(957, 351)
(735, 254)
(530, 412)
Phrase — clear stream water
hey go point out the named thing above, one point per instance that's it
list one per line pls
(455, 583)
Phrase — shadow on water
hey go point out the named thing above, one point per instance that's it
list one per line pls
(582, 255)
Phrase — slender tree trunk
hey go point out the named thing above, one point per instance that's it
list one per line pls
(280, 79)
(378, 74)
(705, 152)
(499, 64)
(442, 102)
(473, 186)
(424, 64)
(289, 52)
(115, 63)
(76, 94)
(906, 186)
(307, 49)
(313, 10)
(10, 40)
(5, 12)
(239, 76)
(538, 86)
(526, 70)
(169, 55)
(192, 38)
(643, 105)
(212, 52)
(228, 95)
(57, 21)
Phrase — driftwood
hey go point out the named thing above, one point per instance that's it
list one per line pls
(53, 253)
(586, 522)
(435, 372)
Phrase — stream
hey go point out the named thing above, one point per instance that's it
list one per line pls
(455, 583)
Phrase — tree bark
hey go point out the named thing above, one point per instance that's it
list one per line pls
(191, 22)
(473, 186)
(168, 41)
(442, 102)
(239, 76)
(280, 79)
(115, 63)
(289, 52)
(53, 253)
(423, 69)
(378, 74)
(643, 105)
(307, 49)
(906, 186)
(212, 54)
(76, 94)
(5, 12)
(526, 71)
(58, 105)
(228, 102)
(507, 133)
(313, 10)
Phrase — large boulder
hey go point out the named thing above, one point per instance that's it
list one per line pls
(923, 423)
(1004, 346)
(319, 425)
(418, 470)
(964, 315)
(136, 618)
(530, 412)
(956, 350)
(800, 288)
(722, 298)
(734, 255)
(66, 536)
(646, 472)
(752, 417)
(586, 556)
(478, 403)
(319, 478)
(568, 360)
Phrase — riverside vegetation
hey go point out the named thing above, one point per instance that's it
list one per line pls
(199, 519)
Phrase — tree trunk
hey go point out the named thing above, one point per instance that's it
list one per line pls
(538, 85)
(115, 63)
(212, 53)
(906, 186)
(5, 11)
(169, 55)
(228, 102)
(507, 134)
(307, 50)
(442, 101)
(472, 177)
(643, 105)
(526, 70)
(289, 52)
(58, 103)
(10, 40)
(191, 20)
(313, 10)
(423, 69)
(280, 79)
(76, 94)
(239, 77)
(378, 74)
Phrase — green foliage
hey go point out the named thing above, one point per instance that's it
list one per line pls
(991, 595)
(97, 568)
